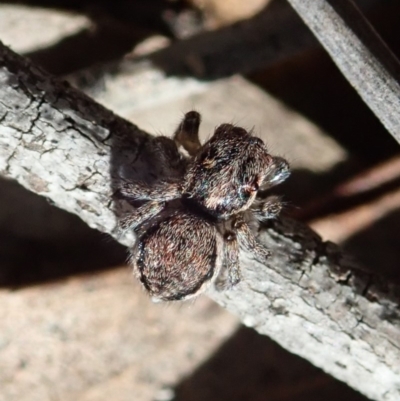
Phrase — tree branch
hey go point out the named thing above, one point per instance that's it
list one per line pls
(60, 144)
(360, 54)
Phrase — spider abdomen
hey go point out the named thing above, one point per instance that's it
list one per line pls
(177, 256)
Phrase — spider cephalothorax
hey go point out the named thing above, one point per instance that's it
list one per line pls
(227, 172)
(191, 226)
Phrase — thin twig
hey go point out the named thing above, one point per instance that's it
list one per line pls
(360, 54)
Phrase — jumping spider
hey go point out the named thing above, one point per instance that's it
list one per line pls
(191, 225)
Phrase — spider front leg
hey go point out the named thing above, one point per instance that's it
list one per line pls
(140, 215)
(187, 133)
(247, 239)
(266, 209)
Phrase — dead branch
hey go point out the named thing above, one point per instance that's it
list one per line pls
(60, 144)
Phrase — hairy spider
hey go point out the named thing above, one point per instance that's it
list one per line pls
(191, 225)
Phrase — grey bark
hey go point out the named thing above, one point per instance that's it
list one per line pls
(310, 298)
(360, 54)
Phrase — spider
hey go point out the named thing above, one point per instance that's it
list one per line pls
(189, 226)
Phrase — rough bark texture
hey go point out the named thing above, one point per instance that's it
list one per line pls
(47, 132)
(359, 53)
(60, 144)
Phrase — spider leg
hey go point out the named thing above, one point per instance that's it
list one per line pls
(140, 215)
(276, 173)
(266, 209)
(187, 133)
(247, 239)
(158, 191)
(230, 276)
(165, 153)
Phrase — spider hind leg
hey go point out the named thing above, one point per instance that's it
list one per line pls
(143, 213)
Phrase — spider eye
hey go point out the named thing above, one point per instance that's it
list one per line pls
(254, 186)
(250, 188)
